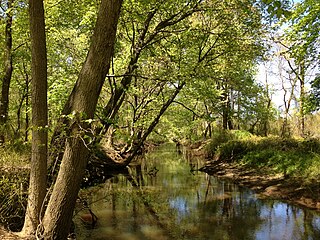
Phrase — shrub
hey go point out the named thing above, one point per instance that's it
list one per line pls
(233, 150)
(223, 136)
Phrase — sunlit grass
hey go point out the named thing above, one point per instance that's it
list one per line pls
(292, 157)
(14, 161)
(17, 156)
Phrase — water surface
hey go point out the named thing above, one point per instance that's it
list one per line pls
(161, 198)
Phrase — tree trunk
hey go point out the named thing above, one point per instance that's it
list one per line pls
(265, 125)
(118, 94)
(83, 101)
(26, 134)
(38, 170)
(8, 69)
(117, 97)
(153, 124)
(226, 110)
(302, 99)
(25, 97)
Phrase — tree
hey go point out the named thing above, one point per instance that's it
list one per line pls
(56, 221)
(304, 31)
(38, 169)
(313, 99)
(303, 49)
(83, 101)
(196, 50)
(158, 24)
(8, 69)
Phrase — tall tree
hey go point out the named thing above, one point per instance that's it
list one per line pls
(302, 38)
(83, 101)
(38, 169)
(8, 69)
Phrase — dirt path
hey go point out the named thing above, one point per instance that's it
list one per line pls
(268, 185)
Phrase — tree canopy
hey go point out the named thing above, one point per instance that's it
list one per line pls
(120, 73)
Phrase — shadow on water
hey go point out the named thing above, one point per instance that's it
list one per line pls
(160, 197)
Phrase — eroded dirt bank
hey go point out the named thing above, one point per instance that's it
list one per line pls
(267, 184)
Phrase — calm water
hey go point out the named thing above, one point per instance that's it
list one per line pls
(175, 203)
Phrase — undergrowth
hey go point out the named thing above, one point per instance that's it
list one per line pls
(13, 184)
(15, 155)
(13, 198)
(292, 157)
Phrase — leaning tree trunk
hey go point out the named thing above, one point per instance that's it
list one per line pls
(38, 170)
(58, 215)
(145, 38)
(153, 124)
(8, 69)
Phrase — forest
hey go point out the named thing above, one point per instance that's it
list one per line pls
(89, 86)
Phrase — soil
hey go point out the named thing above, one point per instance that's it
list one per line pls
(7, 235)
(267, 184)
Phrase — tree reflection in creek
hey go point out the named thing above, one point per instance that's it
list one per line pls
(159, 198)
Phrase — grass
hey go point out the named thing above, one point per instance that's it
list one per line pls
(13, 198)
(14, 160)
(17, 155)
(292, 157)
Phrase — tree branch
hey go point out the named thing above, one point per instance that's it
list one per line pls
(186, 107)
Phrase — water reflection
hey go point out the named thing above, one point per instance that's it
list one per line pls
(160, 198)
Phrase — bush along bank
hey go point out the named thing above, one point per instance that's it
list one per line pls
(287, 169)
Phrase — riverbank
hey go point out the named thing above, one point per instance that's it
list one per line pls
(277, 168)
(268, 185)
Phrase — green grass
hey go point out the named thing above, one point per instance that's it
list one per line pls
(292, 157)
(14, 176)
(17, 155)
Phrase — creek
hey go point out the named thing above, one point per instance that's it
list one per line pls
(162, 198)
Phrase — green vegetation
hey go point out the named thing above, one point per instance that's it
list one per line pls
(116, 74)
(292, 157)
(13, 197)
(16, 155)
(14, 181)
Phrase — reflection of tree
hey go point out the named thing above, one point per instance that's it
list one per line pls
(161, 223)
(232, 215)
(114, 216)
(140, 179)
(179, 205)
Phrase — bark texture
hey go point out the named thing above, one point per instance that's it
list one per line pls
(38, 171)
(82, 102)
(8, 69)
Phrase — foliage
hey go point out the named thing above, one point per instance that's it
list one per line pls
(292, 157)
(304, 30)
(17, 154)
(212, 46)
(276, 9)
(313, 99)
(13, 195)
(221, 137)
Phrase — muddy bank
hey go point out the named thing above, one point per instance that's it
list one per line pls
(267, 184)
